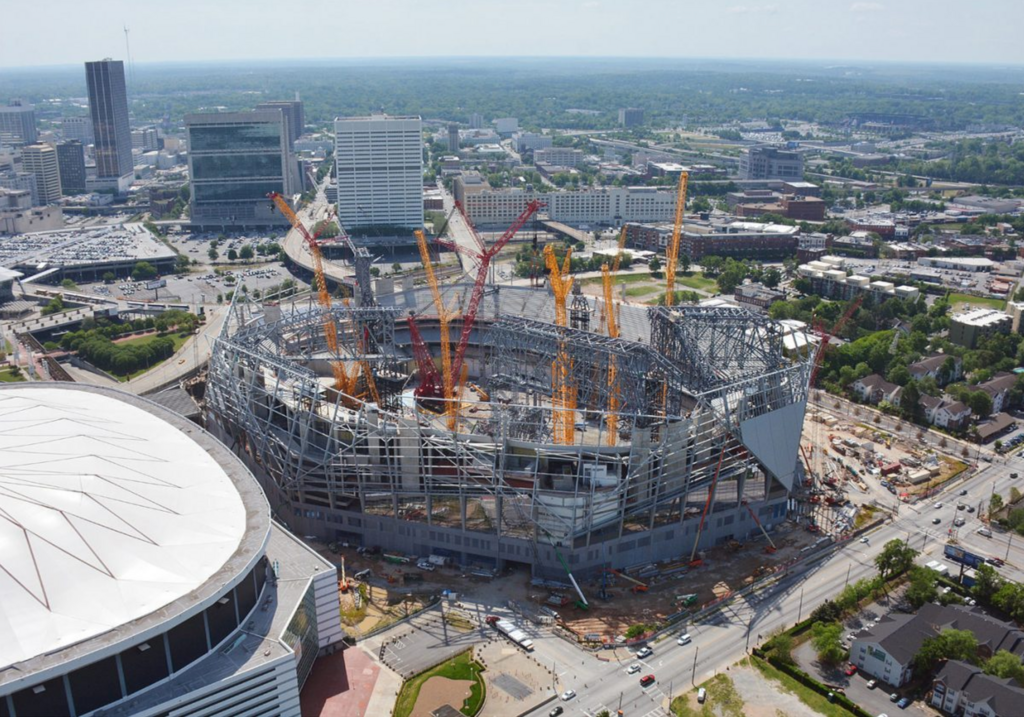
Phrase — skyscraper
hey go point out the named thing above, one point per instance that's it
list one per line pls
(380, 171)
(631, 117)
(79, 128)
(108, 105)
(17, 124)
(41, 160)
(453, 137)
(293, 111)
(71, 164)
(234, 160)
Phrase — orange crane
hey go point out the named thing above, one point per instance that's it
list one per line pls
(343, 380)
(563, 398)
(672, 252)
(443, 315)
(608, 280)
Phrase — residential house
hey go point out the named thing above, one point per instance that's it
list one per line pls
(945, 413)
(960, 688)
(874, 389)
(887, 650)
(998, 389)
(933, 367)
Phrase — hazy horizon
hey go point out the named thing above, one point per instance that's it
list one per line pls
(897, 31)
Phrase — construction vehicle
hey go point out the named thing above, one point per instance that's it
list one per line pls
(672, 251)
(344, 381)
(686, 600)
(582, 603)
(696, 562)
(638, 587)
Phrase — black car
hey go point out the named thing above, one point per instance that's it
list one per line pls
(556, 711)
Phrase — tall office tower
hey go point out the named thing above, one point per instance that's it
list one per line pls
(631, 117)
(476, 121)
(379, 162)
(41, 160)
(145, 138)
(293, 111)
(453, 137)
(17, 124)
(108, 104)
(234, 160)
(71, 164)
(79, 128)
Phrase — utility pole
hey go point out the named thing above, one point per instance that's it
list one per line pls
(848, 569)
(800, 610)
(693, 672)
(1009, 542)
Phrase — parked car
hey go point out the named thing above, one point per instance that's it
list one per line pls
(904, 703)
(702, 695)
(872, 684)
(851, 669)
(894, 697)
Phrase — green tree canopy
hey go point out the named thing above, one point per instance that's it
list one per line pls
(947, 645)
(896, 557)
(1005, 664)
(826, 640)
(143, 271)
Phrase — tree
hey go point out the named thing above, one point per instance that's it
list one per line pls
(246, 253)
(995, 503)
(896, 557)
(68, 284)
(780, 648)
(54, 306)
(827, 612)
(684, 262)
(654, 265)
(1005, 664)
(396, 267)
(947, 645)
(772, 277)
(922, 588)
(980, 403)
(143, 271)
(109, 277)
(1014, 495)
(986, 583)
(232, 255)
(212, 253)
(826, 640)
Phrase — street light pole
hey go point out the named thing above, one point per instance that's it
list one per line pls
(1009, 542)
(693, 672)
(847, 581)
(800, 610)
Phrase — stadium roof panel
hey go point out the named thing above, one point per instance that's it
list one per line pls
(112, 509)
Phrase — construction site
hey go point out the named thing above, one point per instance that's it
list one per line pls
(499, 428)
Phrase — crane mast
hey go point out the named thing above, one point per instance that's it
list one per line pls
(563, 398)
(608, 282)
(672, 253)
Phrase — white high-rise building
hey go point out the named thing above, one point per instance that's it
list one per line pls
(380, 171)
(41, 160)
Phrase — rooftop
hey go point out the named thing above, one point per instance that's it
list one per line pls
(982, 317)
(119, 516)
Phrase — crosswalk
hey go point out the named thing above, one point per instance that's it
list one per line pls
(594, 710)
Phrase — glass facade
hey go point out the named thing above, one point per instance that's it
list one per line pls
(301, 634)
(235, 160)
(108, 105)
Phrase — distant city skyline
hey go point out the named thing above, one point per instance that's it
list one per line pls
(857, 30)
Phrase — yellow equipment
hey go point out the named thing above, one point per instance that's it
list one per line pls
(443, 316)
(563, 395)
(672, 253)
(608, 280)
(343, 381)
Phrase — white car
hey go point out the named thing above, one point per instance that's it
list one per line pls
(568, 695)
(684, 639)
(937, 506)
(633, 669)
(645, 652)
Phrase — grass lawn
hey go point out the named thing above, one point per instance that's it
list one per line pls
(979, 301)
(622, 278)
(817, 702)
(460, 667)
(7, 377)
(722, 699)
(176, 336)
(635, 291)
(697, 281)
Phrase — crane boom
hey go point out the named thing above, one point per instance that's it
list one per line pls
(442, 315)
(672, 253)
(469, 317)
(342, 380)
(608, 282)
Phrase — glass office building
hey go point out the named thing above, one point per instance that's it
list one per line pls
(235, 160)
(108, 106)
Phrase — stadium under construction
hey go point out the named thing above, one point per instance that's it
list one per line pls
(697, 433)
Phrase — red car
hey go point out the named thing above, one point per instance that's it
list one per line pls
(850, 669)
(646, 680)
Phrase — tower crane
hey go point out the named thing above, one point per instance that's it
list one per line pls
(563, 397)
(608, 281)
(344, 381)
(672, 253)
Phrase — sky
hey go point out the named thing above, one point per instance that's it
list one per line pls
(943, 31)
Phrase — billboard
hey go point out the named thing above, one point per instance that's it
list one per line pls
(156, 284)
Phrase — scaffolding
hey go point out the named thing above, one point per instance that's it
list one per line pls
(686, 398)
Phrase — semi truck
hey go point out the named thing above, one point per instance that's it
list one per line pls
(513, 633)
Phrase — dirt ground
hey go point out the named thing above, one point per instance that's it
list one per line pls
(723, 571)
(763, 697)
(439, 691)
